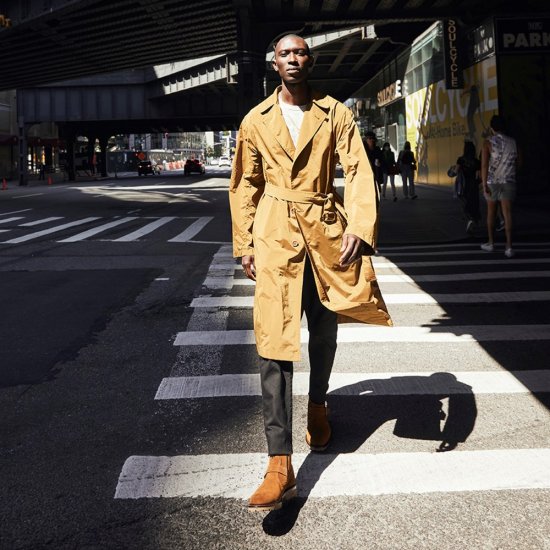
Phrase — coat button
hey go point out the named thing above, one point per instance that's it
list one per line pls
(295, 243)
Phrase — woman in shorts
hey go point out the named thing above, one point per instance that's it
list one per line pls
(498, 175)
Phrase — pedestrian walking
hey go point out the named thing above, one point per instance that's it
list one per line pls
(468, 167)
(407, 166)
(389, 169)
(374, 153)
(499, 159)
(305, 251)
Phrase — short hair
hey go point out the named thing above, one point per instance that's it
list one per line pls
(469, 149)
(497, 123)
(407, 146)
(290, 35)
(370, 135)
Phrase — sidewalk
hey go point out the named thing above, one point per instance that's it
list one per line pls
(436, 217)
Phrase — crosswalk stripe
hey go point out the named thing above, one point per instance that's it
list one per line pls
(446, 246)
(39, 222)
(354, 384)
(381, 263)
(403, 278)
(328, 475)
(145, 230)
(368, 333)
(51, 230)
(398, 298)
(15, 212)
(457, 252)
(195, 228)
(7, 220)
(96, 230)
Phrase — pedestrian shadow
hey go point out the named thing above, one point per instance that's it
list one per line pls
(359, 409)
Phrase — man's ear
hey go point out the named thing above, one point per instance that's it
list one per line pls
(311, 61)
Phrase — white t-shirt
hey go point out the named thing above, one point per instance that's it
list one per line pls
(293, 115)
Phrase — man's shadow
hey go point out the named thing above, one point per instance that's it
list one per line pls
(358, 410)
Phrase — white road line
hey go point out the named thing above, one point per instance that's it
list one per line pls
(50, 230)
(95, 230)
(7, 220)
(145, 230)
(25, 196)
(354, 384)
(38, 222)
(4, 230)
(403, 278)
(456, 252)
(368, 333)
(398, 298)
(324, 475)
(380, 263)
(15, 212)
(390, 248)
(195, 228)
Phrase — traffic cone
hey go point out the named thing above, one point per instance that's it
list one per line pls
(49, 180)
(4, 184)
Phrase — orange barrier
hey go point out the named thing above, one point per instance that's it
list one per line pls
(49, 180)
(4, 184)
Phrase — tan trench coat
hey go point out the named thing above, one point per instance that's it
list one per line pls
(283, 205)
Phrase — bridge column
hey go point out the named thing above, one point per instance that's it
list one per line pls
(103, 142)
(91, 153)
(22, 164)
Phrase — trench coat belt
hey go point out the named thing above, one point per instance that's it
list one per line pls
(294, 195)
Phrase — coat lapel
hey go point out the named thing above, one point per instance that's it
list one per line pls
(313, 119)
(274, 123)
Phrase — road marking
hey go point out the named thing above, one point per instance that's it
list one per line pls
(325, 475)
(385, 249)
(369, 333)
(355, 384)
(455, 252)
(38, 222)
(145, 230)
(381, 263)
(50, 230)
(403, 278)
(7, 220)
(15, 212)
(162, 279)
(95, 230)
(25, 196)
(195, 228)
(397, 298)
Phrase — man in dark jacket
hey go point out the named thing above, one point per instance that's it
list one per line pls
(375, 157)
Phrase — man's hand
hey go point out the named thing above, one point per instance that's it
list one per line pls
(351, 249)
(249, 267)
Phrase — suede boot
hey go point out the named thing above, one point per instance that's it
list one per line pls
(279, 485)
(318, 428)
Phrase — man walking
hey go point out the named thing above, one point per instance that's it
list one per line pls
(305, 252)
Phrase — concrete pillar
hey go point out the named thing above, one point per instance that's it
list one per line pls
(22, 160)
(103, 141)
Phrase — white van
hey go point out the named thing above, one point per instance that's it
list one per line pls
(224, 161)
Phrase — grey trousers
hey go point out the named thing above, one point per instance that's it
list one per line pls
(276, 376)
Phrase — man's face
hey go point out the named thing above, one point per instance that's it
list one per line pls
(292, 60)
(371, 142)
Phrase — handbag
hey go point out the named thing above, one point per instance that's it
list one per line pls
(452, 171)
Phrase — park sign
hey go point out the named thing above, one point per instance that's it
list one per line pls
(523, 35)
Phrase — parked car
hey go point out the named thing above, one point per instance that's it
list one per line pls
(193, 165)
(145, 167)
(224, 161)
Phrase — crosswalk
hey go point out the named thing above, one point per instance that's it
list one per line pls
(62, 229)
(466, 331)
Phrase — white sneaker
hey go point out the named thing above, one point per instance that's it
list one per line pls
(488, 247)
(500, 226)
(469, 226)
(509, 253)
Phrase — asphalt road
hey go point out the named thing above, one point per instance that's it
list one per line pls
(109, 438)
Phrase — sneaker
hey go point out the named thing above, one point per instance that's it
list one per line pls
(394, 199)
(509, 253)
(500, 226)
(488, 247)
(414, 196)
(470, 226)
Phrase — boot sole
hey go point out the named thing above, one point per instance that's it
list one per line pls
(317, 448)
(287, 495)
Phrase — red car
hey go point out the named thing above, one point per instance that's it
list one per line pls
(193, 165)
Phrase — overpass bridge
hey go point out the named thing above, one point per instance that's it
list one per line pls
(199, 64)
